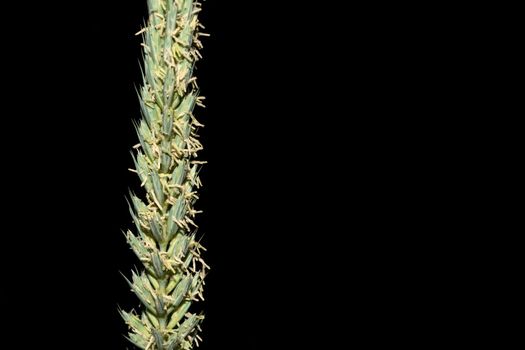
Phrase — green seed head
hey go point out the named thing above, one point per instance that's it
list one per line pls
(166, 163)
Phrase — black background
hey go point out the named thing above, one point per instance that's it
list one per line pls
(322, 172)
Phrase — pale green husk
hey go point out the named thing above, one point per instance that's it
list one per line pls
(164, 237)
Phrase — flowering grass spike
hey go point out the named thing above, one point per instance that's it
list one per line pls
(164, 237)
